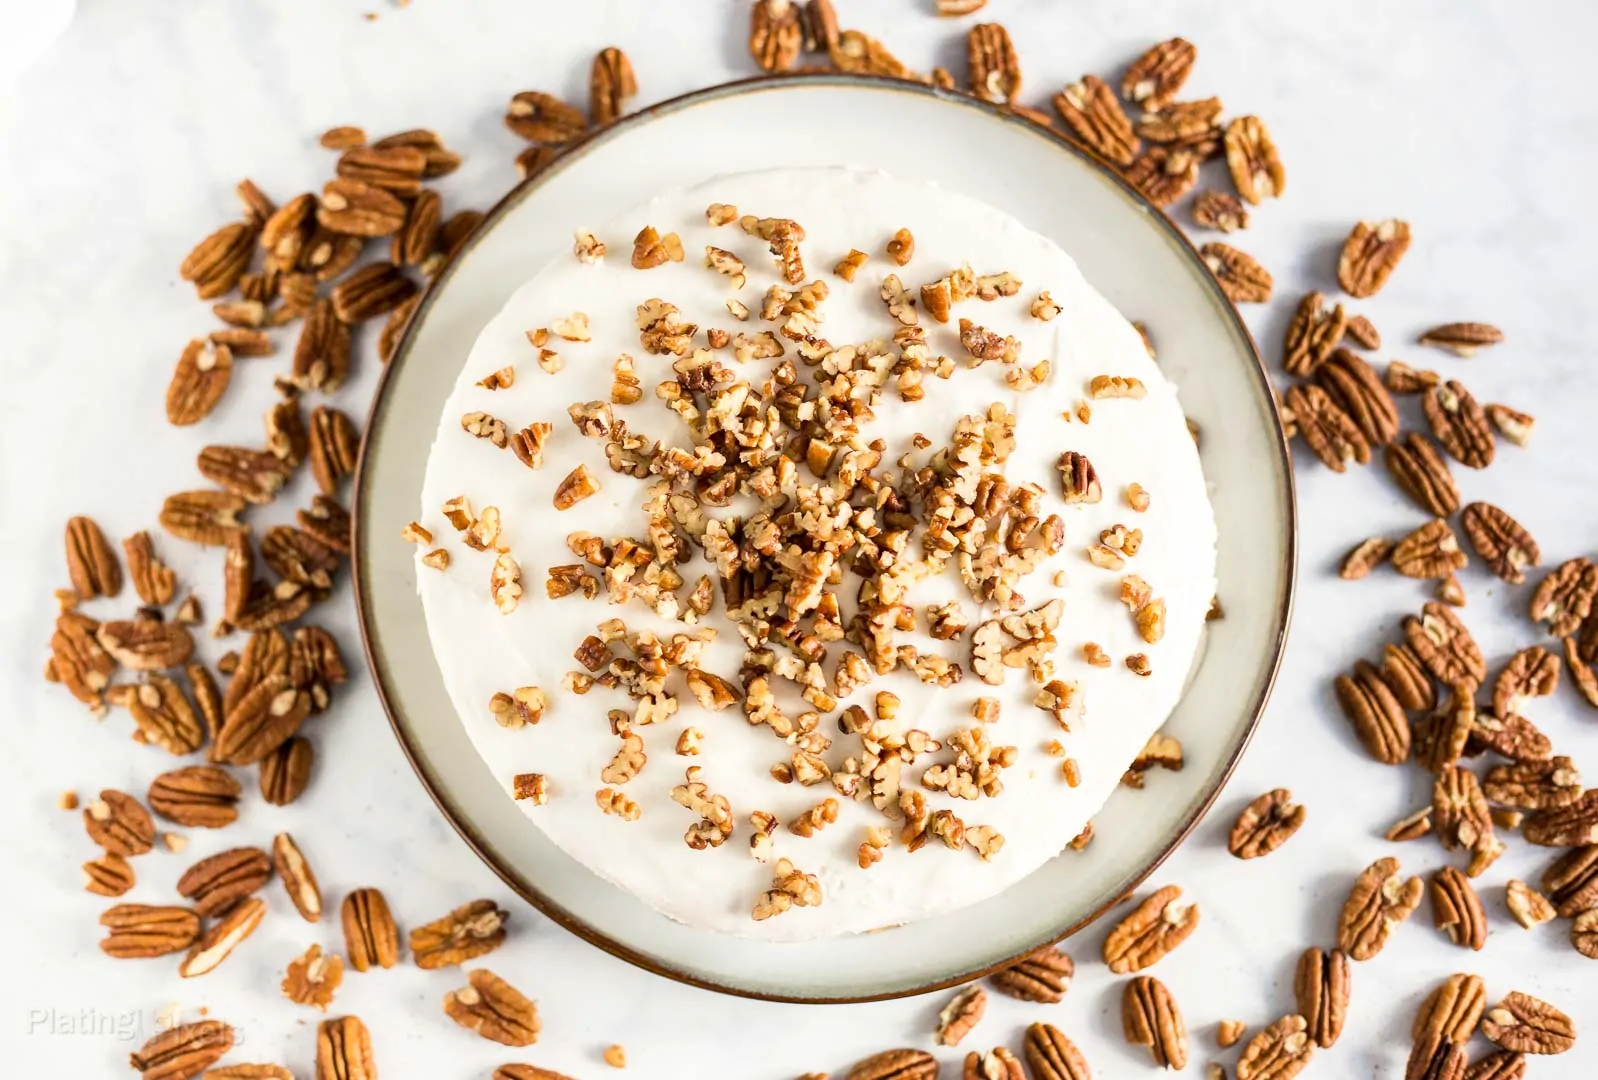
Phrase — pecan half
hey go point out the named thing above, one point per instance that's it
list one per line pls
(1431, 551)
(411, 246)
(1379, 901)
(1354, 385)
(253, 475)
(1150, 1017)
(1459, 423)
(1280, 1052)
(334, 445)
(895, 1065)
(611, 85)
(109, 875)
(1501, 541)
(1443, 644)
(153, 579)
(312, 978)
(1265, 825)
(370, 936)
(356, 208)
(1052, 1056)
(1407, 678)
(1312, 334)
(164, 716)
(1251, 156)
(1584, 933)
(1374, 710)
(262, 720)
(1164, 174)
(216, 263)
(1363, 332)
(1219, 210)
(286, 771)
(1534, 785)
(1044, 976)
(182, 1052)
(1462, 338)
(394, 168)
(1194, 125)
(1321, 985)
(298, 879)
(861, 54)
(963, 1013)
(199, 381)
(1327, 430)
(201, 796)
(1578, 658)
(1457, 910)
(776, 34)
(223, 936)
(1529, 1025)
(91, 560)
(1460, 809)
(470, 931)
(1155, 927)
(995, 69)
(1571, 825)
(1090, 109)
(1240, 275)
(119, 824)
(344, 1050)
(375, 289)
(494, 1009)
(1422, 473)
(1564, 598)
(1155, 78)
(1511, 736)
(322, 354)
(140, 931)
(216, 883)
(1370, 255)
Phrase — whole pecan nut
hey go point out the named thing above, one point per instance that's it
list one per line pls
(1155, 927)
(1379, 901)
(1529, 1025)
(1280, 1052)
(370, 936)
(1044, 976)
(1265, 825)
(1151, 1018)
(1321, 985)
(1501, 541)
(470, 931)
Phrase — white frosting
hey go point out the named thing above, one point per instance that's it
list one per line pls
(1145, 441)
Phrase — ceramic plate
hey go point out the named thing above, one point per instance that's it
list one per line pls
(1128, 250)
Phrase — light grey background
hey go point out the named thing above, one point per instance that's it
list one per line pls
(1471, 119)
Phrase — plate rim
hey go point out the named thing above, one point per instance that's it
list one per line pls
(529, 892)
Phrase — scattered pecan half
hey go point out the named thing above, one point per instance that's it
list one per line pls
(1327, 430)
(1321, 985)
(995, 69)
(895, 1065)
(611, 85)
(184, 1051)
(1431, 551)
(344, 1050)
(298, 880)
(370, 936)
(1280, 1052)
(1527, 906)
(201, 796)
(1378, 902)
(1422, 473)
(1251, 156)
(1444, 645)
(1374, 710)
(1355, 386)
(1457, 910)
(1366, 556)
(1529, 1025)
(119, 824)
(544, 119)
(1571, 825)
(1155, 927)
(1151, 1018)
(1052, 1056)
(1155, 78)
(963, 1013)
(1462, 338)
(1312, 334)
(1241, 277)
(1370, 255)
(1044, 976)
(141, 931)
(1219, 210)
(1090, 109)
(1501, 541)
(216, 883)
(1265, 825)
(494, 1009)
(1459, 423)
(470, 931)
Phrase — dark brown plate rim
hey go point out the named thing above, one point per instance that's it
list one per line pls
(529, 892)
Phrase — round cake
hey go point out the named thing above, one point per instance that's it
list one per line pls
(812, 551)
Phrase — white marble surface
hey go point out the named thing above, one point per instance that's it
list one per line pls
(121, 147)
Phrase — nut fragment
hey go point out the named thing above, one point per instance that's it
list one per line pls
(1365, 557)
(1528, 906)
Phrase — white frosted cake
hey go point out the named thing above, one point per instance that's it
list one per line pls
(801, 595)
